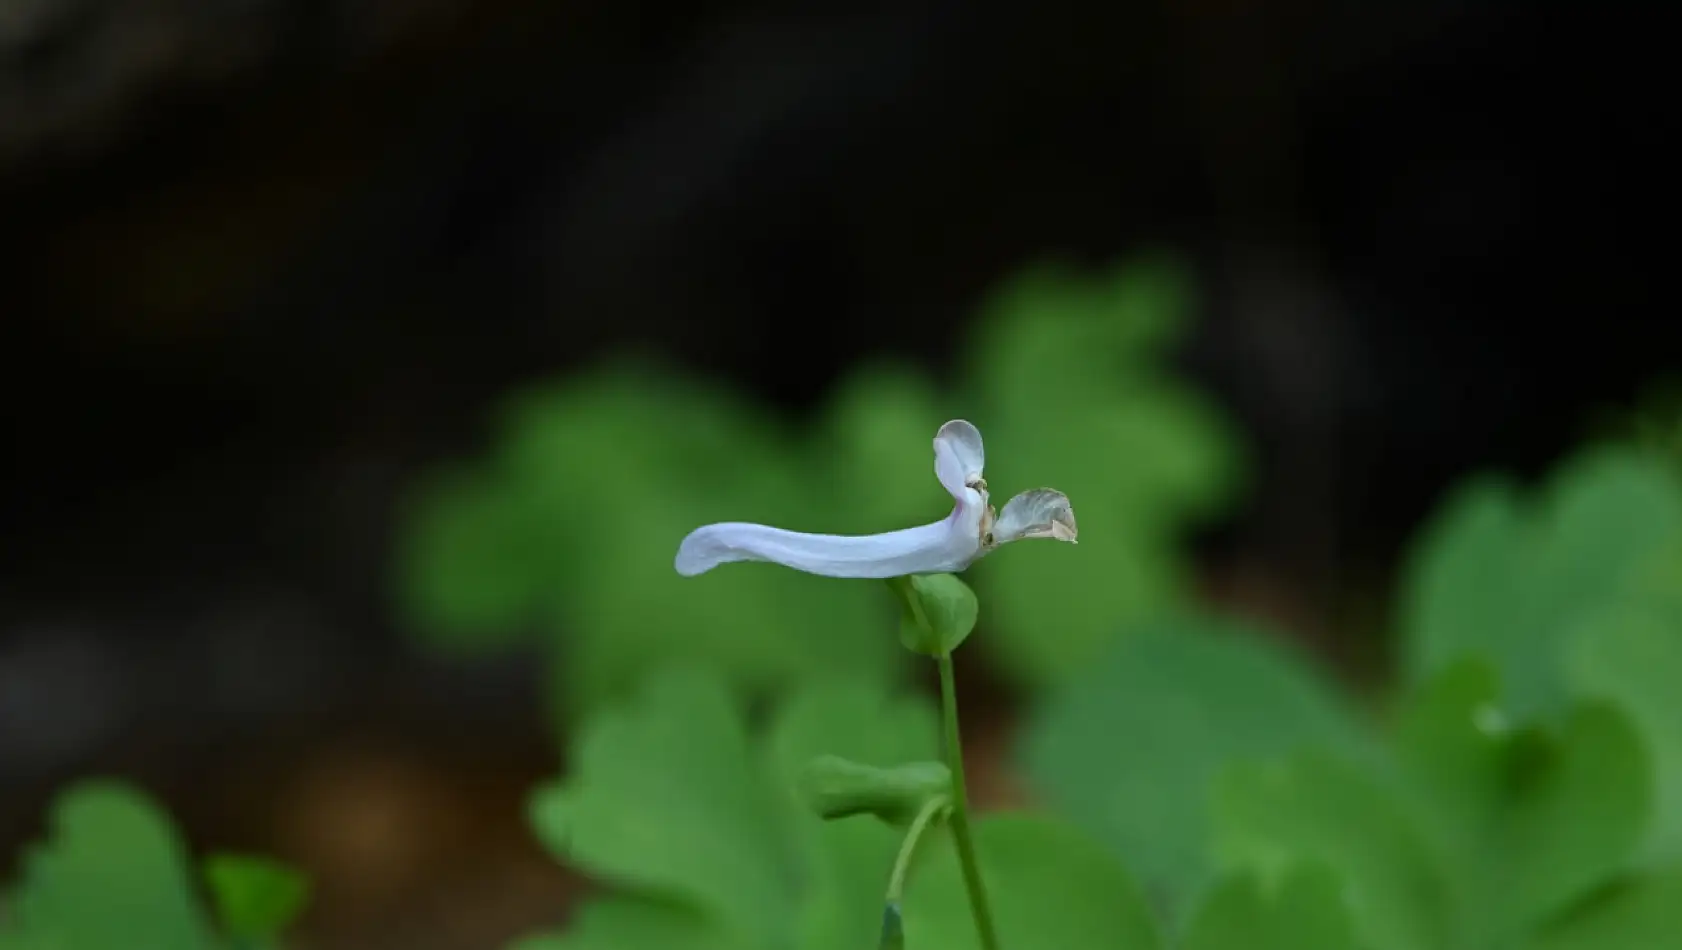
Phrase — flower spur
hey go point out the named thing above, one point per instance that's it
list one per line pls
(950, 545)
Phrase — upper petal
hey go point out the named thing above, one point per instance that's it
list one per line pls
(1038, 513)
(959, 457)
(944, 546)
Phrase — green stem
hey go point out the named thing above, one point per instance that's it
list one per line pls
(893, 933)
(908, 847)
(978, 905)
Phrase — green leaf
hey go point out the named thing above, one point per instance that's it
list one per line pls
(1523, 821)
(567, 529)
(1303, 907)
(1643, 913)
(1051, 888)
(1632, 657)
(1520, 581)
(839, 788)
(672, 796)
(938, 612)
(113, 873)
(256, 898)
(1576, 809)
(1577, 805)
(664, 797)
(1131, 750)
(1572, 594)
(1316, 808)
(1066, 380)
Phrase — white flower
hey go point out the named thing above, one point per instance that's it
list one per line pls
(952, 544)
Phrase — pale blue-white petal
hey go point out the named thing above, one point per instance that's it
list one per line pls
(944, 546)
(1038, 513)
(959, 457)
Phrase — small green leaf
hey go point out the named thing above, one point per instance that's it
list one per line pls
(256, 898)
(1051, 888)
(1303, 909)
(938, 612)
(1131, 749)
(839, 788)
(113, 873)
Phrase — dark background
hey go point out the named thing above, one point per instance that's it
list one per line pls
(264, 261)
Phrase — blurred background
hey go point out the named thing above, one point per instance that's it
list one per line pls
(271, 267)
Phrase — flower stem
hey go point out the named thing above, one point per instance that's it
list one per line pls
(978, 905)
(893, 935)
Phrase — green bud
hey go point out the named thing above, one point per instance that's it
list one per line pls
(938, 612)
(834, 787)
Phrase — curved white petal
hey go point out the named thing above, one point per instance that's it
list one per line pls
(1039, 513)
(959, 457)
(944, 546)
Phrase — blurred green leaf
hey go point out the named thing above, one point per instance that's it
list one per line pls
(1450, 740)
(113, 873)
(1575, 593)
(1320, 809)
(1642, 913)
(1051, 888)
(1494, 829)
(256, 897)
(875, 447)
(1577, 802)
(1519, 581)
(1633, 658)
(568, 530)
(1132, 749)
(1301, 908)
(1067, 382)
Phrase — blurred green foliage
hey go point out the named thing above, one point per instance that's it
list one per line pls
(114, 873)
(1573, 592)
(1132, 749)
(1522, 792)
(566, 530)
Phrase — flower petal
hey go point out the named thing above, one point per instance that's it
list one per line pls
(944, 546)
(959, 458)
(1039, 513)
